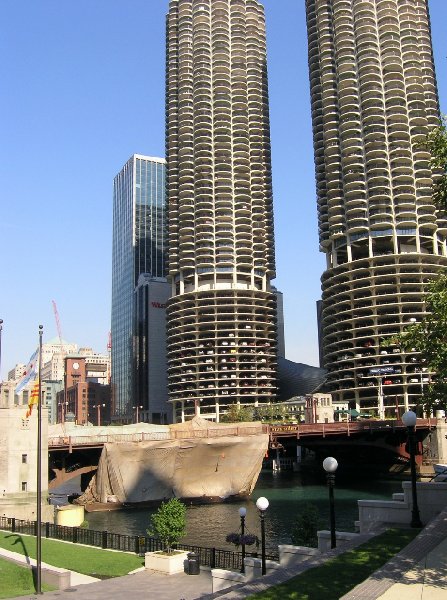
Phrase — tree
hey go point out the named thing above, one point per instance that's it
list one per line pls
(237, 414)
(169, 523)
(429, 337)
(436, 144)
(305, 527)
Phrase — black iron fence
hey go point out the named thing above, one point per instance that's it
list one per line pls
(216, 558)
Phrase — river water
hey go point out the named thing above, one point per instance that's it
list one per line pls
(287, 492)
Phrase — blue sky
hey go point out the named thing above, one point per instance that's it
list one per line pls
(82, 90)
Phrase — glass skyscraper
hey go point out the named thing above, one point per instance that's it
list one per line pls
(374, 99)
(138, 247)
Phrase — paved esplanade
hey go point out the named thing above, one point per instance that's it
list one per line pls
(140, 585)
(419, 572)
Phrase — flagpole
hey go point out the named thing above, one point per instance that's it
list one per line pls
(39, 471)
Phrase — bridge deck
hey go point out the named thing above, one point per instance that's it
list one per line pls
(343, 428)
(172, 434)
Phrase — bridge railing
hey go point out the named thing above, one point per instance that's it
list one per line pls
(212, 557)
(342, 427)
(172, 434)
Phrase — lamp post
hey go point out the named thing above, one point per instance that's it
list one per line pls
(330, 466)
(380, 399)
(262, 505)
(409, 420)
(137, 409)
(98, 416)
(242, 513)
(39, 474)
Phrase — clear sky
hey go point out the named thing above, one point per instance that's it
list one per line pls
(82, 90)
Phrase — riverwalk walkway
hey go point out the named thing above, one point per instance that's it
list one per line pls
(419, 572)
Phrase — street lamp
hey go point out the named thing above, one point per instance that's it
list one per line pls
(137, 408)
(262, 505)
(330, 466)
(98, 417)
(242, 513)
(409, 420)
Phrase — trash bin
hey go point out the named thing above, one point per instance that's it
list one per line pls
(193, 565)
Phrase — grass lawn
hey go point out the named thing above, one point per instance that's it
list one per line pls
(83, 559)
(17, 581)
(339, 575)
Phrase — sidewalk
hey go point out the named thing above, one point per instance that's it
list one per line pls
(418, 572)
(142, 584)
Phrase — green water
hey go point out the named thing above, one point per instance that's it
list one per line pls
(287, 492)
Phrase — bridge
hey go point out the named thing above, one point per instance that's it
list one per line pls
(75, 454)
(72, 441)
(345, 428)
(376, 442)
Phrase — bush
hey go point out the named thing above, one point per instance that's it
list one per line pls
(169, 523)
(305, 527)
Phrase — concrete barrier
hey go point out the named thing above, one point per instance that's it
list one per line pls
(293, 555)
(376, 514)
(341, 537)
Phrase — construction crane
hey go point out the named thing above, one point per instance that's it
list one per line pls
(58, 323)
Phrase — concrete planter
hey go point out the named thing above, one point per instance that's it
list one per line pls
(169, 564)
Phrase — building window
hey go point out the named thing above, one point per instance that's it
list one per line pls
(24, 486)
(24, 458)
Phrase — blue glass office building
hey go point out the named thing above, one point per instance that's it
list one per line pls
(138, 247)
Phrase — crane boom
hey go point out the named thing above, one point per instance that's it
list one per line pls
(58, 323)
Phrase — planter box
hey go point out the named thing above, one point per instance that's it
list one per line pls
(165, 563)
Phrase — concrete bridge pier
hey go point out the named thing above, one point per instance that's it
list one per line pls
(436, 444)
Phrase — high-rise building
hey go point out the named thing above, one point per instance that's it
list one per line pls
(150, 394)
(374, 99)
(222, 313)
(138, 247)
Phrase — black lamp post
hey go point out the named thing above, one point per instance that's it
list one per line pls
(242, 513)
(262, 505)
(409, 420)
(330, 466)
(39, 474)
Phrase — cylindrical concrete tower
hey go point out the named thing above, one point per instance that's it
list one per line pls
(374, 99)
(222, 314)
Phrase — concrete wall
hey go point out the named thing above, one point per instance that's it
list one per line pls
(18, 467)
(436, 443)
(375, 514)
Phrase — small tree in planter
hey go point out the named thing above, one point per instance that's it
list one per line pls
(169, 523)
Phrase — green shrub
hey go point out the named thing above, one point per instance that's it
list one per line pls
(169, 523)
(305, 527)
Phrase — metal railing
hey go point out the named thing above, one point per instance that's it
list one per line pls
(216, 558)
(344, 427)
(173, 434)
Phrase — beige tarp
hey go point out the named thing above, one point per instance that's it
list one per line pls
(198, 464)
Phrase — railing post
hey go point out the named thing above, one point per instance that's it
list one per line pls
(13, 524)
(47, 530)
(213, 558)
(75, 535)
(104, 540)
